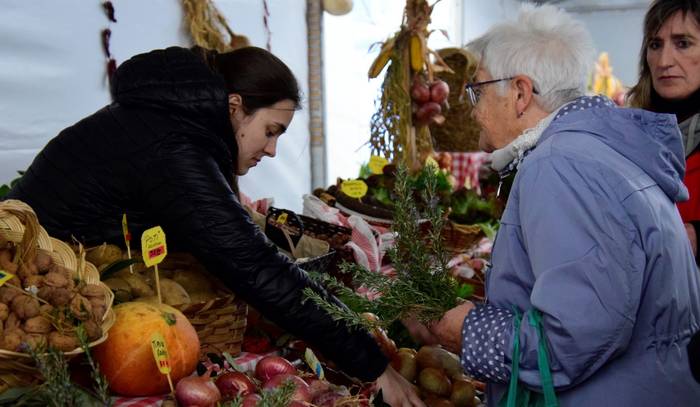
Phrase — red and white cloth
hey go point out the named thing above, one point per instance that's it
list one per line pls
(466, 167)
(369, 243)
(247, 361)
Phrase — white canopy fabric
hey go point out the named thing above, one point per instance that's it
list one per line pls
(52, 74)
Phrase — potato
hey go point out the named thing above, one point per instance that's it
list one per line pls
(139, 287)
(103, 254)
(25, 307)
(4, 312)
(38, 325)
(63, 341)
(120, 288)
(150, 299)
(81, 307)
(173, 293)
(202, 296)
(193, 281)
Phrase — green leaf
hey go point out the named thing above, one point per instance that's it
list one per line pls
(117, 266)
(232, 362)
(465, 291)
(4, 189)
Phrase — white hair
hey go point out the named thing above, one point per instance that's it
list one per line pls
(546, 44)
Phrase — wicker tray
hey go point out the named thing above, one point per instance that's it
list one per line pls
(19, 225)
(220, 322)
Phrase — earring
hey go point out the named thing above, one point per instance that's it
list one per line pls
(521, 114)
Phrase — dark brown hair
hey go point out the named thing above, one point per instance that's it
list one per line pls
(659, 12)
(260, 78)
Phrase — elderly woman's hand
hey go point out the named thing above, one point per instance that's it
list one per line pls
(448, 330)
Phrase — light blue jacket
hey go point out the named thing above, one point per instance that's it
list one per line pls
(591, 237)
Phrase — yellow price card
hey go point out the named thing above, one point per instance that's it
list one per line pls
(377, 163)
(354, 188)
(5, 277)
(153, 246)
(282, 218)
(160, 352)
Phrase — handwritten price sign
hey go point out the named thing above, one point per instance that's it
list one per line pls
(153, 247)
(160, 352)
(354, 188)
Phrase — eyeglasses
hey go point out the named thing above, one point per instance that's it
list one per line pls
(474, 91)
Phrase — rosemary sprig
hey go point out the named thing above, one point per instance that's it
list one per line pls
(423, 288)
(101, 387)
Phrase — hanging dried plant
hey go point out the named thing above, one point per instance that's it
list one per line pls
(209, 28)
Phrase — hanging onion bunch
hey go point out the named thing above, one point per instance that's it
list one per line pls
(411, 97)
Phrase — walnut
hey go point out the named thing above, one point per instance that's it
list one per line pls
(43, 261)
(25, 306)
(7, 294)
(93, 329)
(4, 311)
(56, 279)
(81, 307)
(63, 341)
(12, 340)
(92, 290)
(60, 297)
(38, 325)
(36, 341)
(33, 280)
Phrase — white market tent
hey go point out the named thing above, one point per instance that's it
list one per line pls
(52, 69)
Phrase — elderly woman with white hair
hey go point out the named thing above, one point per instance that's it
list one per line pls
(591, 269)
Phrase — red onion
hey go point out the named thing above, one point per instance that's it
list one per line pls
(427, 111)
(197, 391)
(420, 92)
(302, 392)
(271, 366)
(234, 384)
(439, 91)
(251, 400)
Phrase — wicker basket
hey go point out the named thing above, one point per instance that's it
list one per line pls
(459, 132)
(19, 225)
(296, 225)
(457, 238)
(220, 322)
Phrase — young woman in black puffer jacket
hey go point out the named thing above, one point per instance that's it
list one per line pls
(183, 125)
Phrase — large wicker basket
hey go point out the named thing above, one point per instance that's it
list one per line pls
(19, 226)
(459, 132)
(221, 321)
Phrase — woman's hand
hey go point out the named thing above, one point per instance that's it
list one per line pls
(396, 391)
(448, 329)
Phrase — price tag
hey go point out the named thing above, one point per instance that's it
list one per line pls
(354, 188)
(313, 363)
(377, 163)
(5, 277)
(125, 231)
(430, 162)
(160, 352)
(282, 218)
(153, 247)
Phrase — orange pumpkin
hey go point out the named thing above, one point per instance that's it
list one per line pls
(126, 358)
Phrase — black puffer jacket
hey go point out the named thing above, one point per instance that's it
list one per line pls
(162, 153)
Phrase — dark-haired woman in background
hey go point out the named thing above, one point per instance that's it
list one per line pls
(669, 82)
(183, 125)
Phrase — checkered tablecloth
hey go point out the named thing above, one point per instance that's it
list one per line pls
(245, 360)
(466, 167)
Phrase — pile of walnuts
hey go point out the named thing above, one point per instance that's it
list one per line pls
(42, 305)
